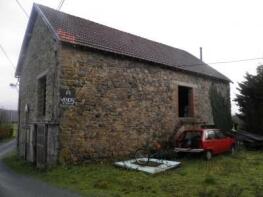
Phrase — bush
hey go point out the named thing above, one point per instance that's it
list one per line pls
(6, 131)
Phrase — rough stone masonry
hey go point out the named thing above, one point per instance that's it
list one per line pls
(78, 103)
(122, 103)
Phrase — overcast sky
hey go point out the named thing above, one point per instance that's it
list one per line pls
(226, 29)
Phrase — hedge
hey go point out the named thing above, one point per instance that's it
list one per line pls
(6, 131)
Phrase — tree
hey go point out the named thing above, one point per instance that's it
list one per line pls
(250, 101)
(221, 109)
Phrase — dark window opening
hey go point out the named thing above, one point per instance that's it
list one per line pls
(42, 82)
(185, 96)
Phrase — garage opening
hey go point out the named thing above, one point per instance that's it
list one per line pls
(185, 97)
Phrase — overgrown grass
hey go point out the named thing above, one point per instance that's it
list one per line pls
(225, 175)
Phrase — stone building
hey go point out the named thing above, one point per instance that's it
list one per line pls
(88, 90)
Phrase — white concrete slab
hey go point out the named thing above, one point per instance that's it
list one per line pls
(164, 165)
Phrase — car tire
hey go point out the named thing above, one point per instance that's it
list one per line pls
(208, 155)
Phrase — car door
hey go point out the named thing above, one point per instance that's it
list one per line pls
(221, 141)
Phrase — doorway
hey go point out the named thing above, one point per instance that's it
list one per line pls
(185, 101)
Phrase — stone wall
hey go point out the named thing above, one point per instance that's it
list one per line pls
(122, 103)
(40, 60)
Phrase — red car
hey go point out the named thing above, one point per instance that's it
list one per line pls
(209, 141)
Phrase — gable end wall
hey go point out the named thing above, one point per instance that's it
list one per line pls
(40, 60)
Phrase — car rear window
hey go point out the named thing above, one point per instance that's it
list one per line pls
(192, 134)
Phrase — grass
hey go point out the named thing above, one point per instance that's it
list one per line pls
(225, 175)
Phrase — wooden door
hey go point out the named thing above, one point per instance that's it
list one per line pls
(41, 145)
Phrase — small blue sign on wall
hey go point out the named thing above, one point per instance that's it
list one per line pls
(67, 96)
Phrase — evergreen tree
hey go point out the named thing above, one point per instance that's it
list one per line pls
(250, 102)
(221, 109)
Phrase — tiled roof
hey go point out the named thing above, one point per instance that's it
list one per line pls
(79, 31)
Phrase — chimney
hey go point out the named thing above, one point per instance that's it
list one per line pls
(201, 53)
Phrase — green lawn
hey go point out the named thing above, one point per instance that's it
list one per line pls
(225, 175)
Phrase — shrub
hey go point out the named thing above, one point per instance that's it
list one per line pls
(6, 131)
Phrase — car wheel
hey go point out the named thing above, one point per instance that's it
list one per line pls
(208, 155)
